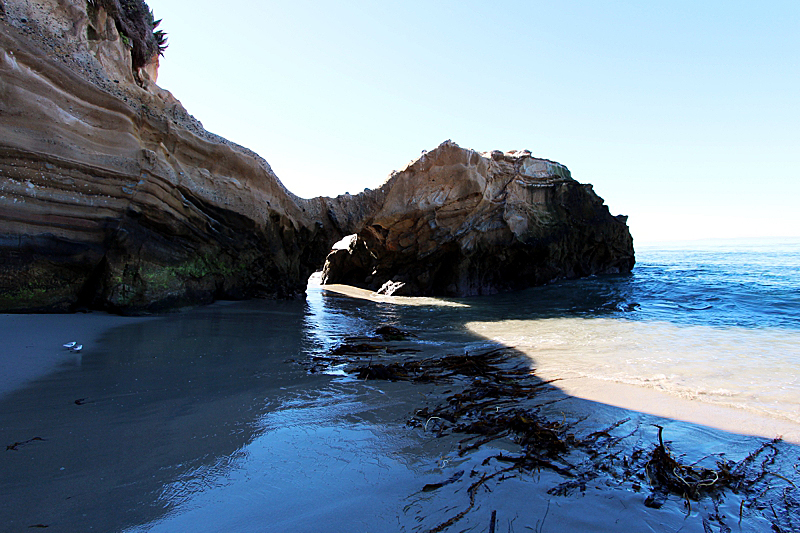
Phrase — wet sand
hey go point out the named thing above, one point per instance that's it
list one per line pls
(32, 345)
(625, 396)
(665, 405)
(205, 421)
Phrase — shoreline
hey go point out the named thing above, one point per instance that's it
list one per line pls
(266, 416)
(622, 395)
(510, 423)
(33, 349)
(665, 405)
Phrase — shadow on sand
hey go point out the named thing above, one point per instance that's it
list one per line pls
(242, 417)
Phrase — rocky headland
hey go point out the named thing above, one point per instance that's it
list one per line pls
(460, 223)
(112, 196)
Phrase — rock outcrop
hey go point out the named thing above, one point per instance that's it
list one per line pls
(113, 197)
(458, 223)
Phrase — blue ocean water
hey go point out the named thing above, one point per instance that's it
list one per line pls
(712, 321)
(724, 283)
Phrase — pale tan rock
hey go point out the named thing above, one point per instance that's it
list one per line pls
(459, 223)
(113, 196)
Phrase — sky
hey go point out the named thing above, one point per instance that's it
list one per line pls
(684, 115)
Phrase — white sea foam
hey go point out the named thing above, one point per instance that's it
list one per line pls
(745, 368)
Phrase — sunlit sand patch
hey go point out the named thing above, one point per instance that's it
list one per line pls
(363, 294)
(697, 374)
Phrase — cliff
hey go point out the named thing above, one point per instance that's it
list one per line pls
(112, 196)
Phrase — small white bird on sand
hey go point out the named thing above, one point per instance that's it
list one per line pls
(70, 344)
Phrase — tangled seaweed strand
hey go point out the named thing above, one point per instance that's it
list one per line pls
(488, 408)
(669, 475)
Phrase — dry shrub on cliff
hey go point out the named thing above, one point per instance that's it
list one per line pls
(134, 20)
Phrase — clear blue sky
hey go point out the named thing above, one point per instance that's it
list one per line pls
(684, 115)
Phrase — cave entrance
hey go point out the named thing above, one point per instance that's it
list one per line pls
(315, 279)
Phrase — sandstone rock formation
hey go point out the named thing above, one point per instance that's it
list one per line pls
(113, 197)
(458, 223)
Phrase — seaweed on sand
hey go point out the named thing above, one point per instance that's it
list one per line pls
(495, 397)
(376, 345)
(391, 333)
(669, 475)
(390, 372)
(17, 445)
(749, 478)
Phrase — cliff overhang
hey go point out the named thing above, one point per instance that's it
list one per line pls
(112, 196)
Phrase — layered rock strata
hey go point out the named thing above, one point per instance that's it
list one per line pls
(458, 223)
(113, 197)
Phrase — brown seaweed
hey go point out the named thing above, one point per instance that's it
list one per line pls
(391, 333)
(362, 347)
(669, 475)
(17, 445)
(486, 405)
(435, 486)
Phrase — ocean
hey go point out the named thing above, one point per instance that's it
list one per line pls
(216, 418)
(713, 321)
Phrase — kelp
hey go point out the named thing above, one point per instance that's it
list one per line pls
(392, 333)
(669, 475)
(493, 403)
(436, 486)
(16, 445)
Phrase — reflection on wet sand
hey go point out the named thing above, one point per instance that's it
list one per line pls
(156, 402)
(203, 421)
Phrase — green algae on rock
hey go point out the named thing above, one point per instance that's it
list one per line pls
(112, 196)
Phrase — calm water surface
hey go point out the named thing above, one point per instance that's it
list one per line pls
(717, 322)
(207, 421)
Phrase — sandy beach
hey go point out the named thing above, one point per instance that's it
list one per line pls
(625, 396)
(610, 219)
(33, 343)
(665, 405)
(206, 420)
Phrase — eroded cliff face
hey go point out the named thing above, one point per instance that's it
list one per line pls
(113, 197)
(458, 223)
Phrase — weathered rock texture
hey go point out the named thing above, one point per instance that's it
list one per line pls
(458, 223)
(112, 196)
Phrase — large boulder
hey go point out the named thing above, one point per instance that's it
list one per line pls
(458, 223)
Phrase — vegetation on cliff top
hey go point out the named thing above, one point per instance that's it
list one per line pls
(135, 21)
